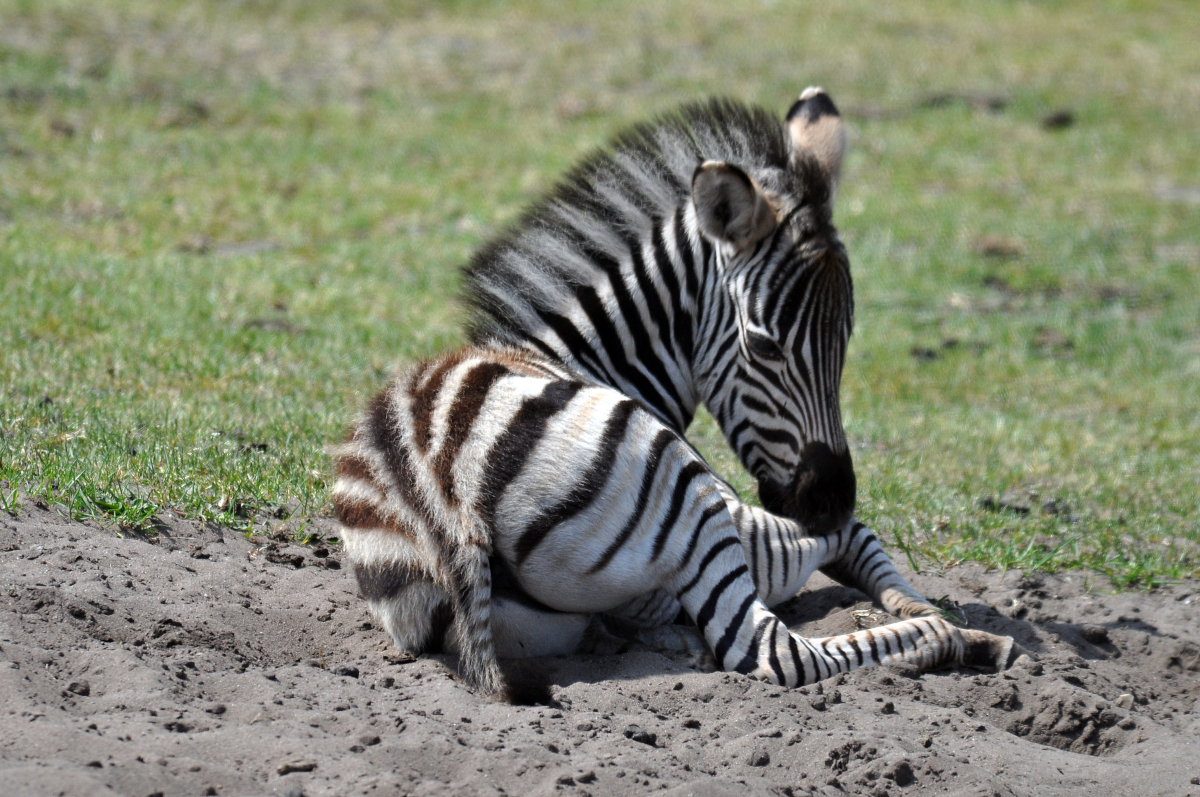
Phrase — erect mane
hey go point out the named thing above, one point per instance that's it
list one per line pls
(644, 173)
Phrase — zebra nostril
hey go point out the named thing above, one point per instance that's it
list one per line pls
(823, 492)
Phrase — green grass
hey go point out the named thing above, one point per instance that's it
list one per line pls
(223, 224)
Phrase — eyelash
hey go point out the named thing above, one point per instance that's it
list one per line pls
(763, 346)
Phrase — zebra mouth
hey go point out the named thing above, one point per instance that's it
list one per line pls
(821, 495)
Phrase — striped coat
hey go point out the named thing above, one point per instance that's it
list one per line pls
(491, 460)
(496, 499)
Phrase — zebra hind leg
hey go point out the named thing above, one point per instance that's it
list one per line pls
(524, 628)
(650, 620)
(521, 630)
(415, 612)
(681, 643)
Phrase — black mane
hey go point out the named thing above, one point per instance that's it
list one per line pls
(669, 149)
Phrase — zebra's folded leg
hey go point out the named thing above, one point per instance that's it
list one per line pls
(680, 642)
(521, 631)
(654, 609)
(782, 556)
(649, 620)
(860, 562)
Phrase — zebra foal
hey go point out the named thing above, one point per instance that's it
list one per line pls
(495, 499)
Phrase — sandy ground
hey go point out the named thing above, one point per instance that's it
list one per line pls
(201, 663)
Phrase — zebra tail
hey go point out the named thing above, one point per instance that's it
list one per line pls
(471, 593)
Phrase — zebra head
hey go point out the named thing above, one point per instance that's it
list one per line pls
(784, 307)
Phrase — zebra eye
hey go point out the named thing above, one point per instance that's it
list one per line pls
(764, 346)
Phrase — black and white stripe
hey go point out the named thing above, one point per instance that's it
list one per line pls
(623, 276)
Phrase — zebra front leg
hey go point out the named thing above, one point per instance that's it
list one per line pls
(862, 563)
(782, 557)
(717, 591)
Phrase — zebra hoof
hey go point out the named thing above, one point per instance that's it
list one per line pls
(989, 651)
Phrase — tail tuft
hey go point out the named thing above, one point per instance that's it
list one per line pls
(526, 686)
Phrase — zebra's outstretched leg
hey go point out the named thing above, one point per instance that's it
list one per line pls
(716, 589)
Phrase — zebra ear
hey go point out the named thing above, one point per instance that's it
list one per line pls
(730, 207)
(815, 126)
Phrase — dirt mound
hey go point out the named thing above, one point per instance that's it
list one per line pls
(1072, 719)
(202, 663)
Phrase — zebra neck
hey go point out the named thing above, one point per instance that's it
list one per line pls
(637, 324)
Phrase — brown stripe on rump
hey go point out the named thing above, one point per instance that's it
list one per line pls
(377, 410)
(353, 466)
(366, 516)
(472, 393)
(385, 437)
(357, 512)
(424, 399)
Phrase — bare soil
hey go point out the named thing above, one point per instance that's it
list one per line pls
(199, 662)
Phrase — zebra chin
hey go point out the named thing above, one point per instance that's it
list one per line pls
(821, 495)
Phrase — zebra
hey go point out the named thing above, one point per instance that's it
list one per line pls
(619, 276)
(496, 499)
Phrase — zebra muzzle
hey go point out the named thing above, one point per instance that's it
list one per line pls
(821, 495)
